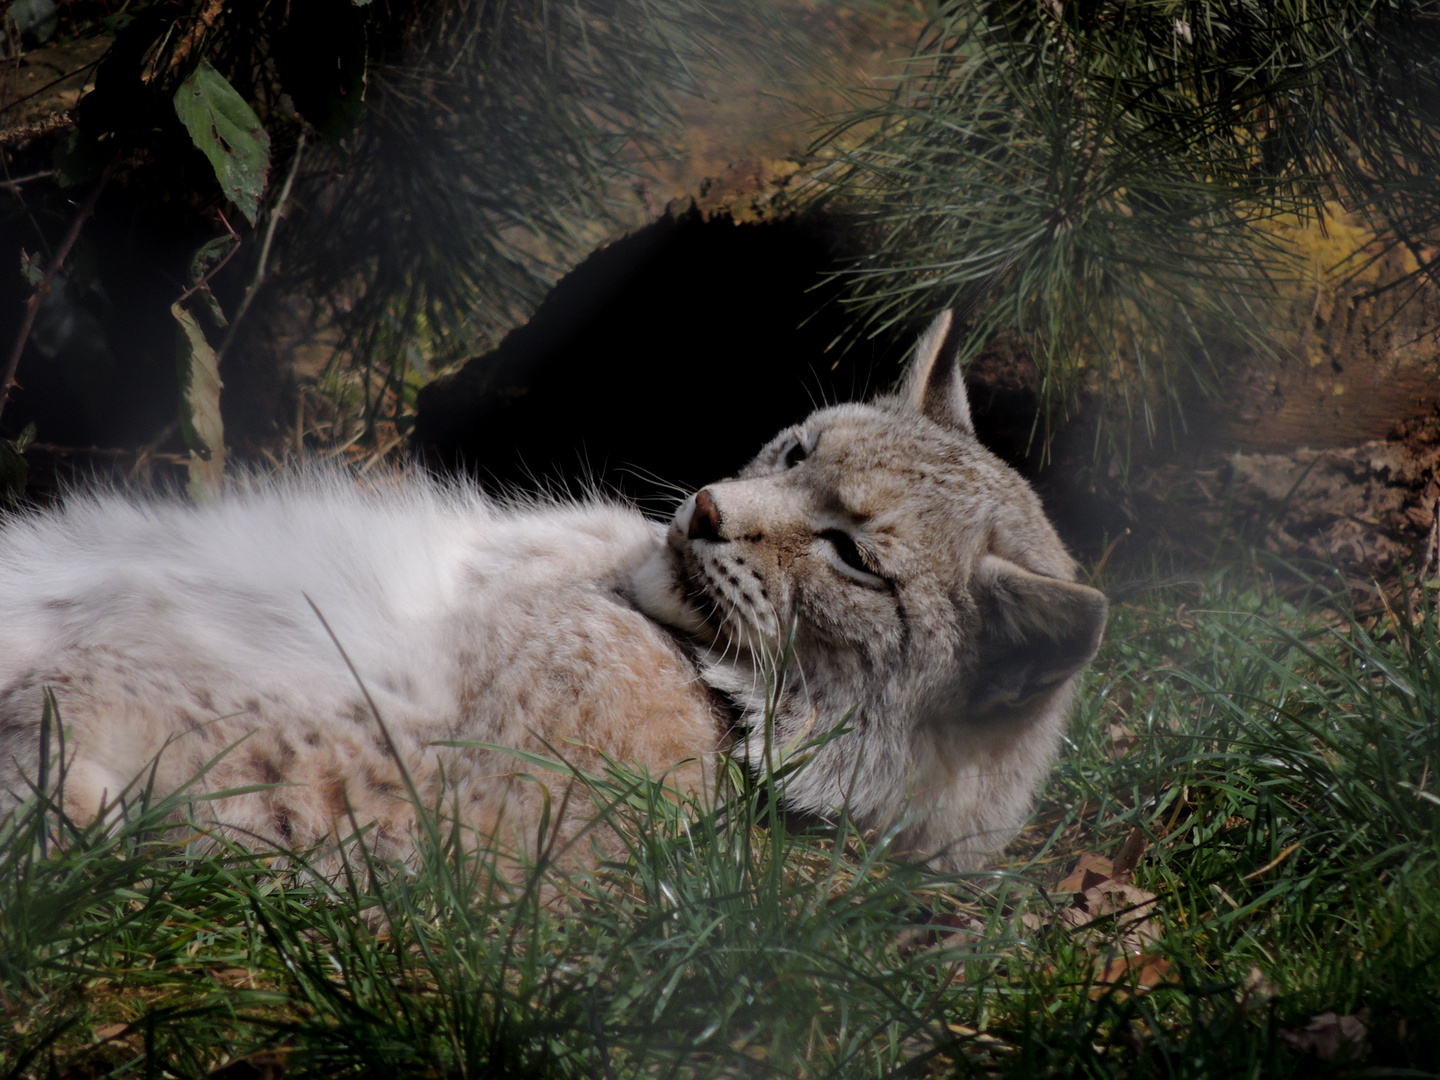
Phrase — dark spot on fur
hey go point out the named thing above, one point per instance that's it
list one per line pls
(401, 687)
(333, 792)
(381, 784)
(754, 537)
(312, 739)
(267, 770)
(282, 824)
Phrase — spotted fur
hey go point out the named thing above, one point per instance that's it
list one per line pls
(873, 572)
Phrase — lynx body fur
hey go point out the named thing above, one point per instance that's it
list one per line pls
(873, 568)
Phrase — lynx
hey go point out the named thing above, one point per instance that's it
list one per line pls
(874, 585)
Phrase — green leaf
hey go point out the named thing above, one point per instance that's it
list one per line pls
(30, 268)
(228, 132)
(206, 257)
(211, 307)
(208, 254)
(200, 421)
(13, 467)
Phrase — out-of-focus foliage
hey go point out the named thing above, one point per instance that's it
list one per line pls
(440, 163)
(498, 132)
(1103, 177)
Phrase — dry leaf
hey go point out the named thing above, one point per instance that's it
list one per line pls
(1257, 987)
(1138, 972)
(947, 930)
(1130, 853)
(232, 976)
(1033, 920)
(1328, 1036)
(1121, 739)
(106, 1032)
(1131, 905)
(1095, 865)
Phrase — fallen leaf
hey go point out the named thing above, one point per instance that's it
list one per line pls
(1257, 988)
(106, 1032)
(946, 930)
(1095, 865)
(1131, 906)
(1137, 971)
(1130, 853)
(1121, 739)
(956, 921)
(1033, 920)
(1329, 1036)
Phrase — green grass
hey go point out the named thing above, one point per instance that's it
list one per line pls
(1278, 758)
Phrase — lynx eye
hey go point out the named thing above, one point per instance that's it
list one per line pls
(852, 560)
(795, 453)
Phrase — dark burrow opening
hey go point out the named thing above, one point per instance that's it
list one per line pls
(666, 359)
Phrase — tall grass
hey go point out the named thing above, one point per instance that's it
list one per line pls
(1277, 757)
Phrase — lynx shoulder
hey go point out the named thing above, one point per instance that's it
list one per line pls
(874, 583)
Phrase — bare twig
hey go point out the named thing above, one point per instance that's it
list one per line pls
(36, 128)
(276, 213)
(198, 29)
(219, 265)
(14, 183)
(32, 306)
(107, 451)
(14, 188)
(1432, 545)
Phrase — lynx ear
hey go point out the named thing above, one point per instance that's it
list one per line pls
(1036, 632)
(935, 386)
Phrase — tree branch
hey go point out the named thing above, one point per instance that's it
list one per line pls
(32, 306)
(36, 128)
(276, 213)
(193, 36)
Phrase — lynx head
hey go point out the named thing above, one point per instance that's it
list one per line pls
(875, 567)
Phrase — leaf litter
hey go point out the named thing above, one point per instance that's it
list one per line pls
(1112, 918)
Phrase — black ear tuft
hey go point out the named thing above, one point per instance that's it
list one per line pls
(1036, 632)
(935, 386)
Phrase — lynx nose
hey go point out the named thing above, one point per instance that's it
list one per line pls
(705, 518)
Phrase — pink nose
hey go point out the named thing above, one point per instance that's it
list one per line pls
(705, 520)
